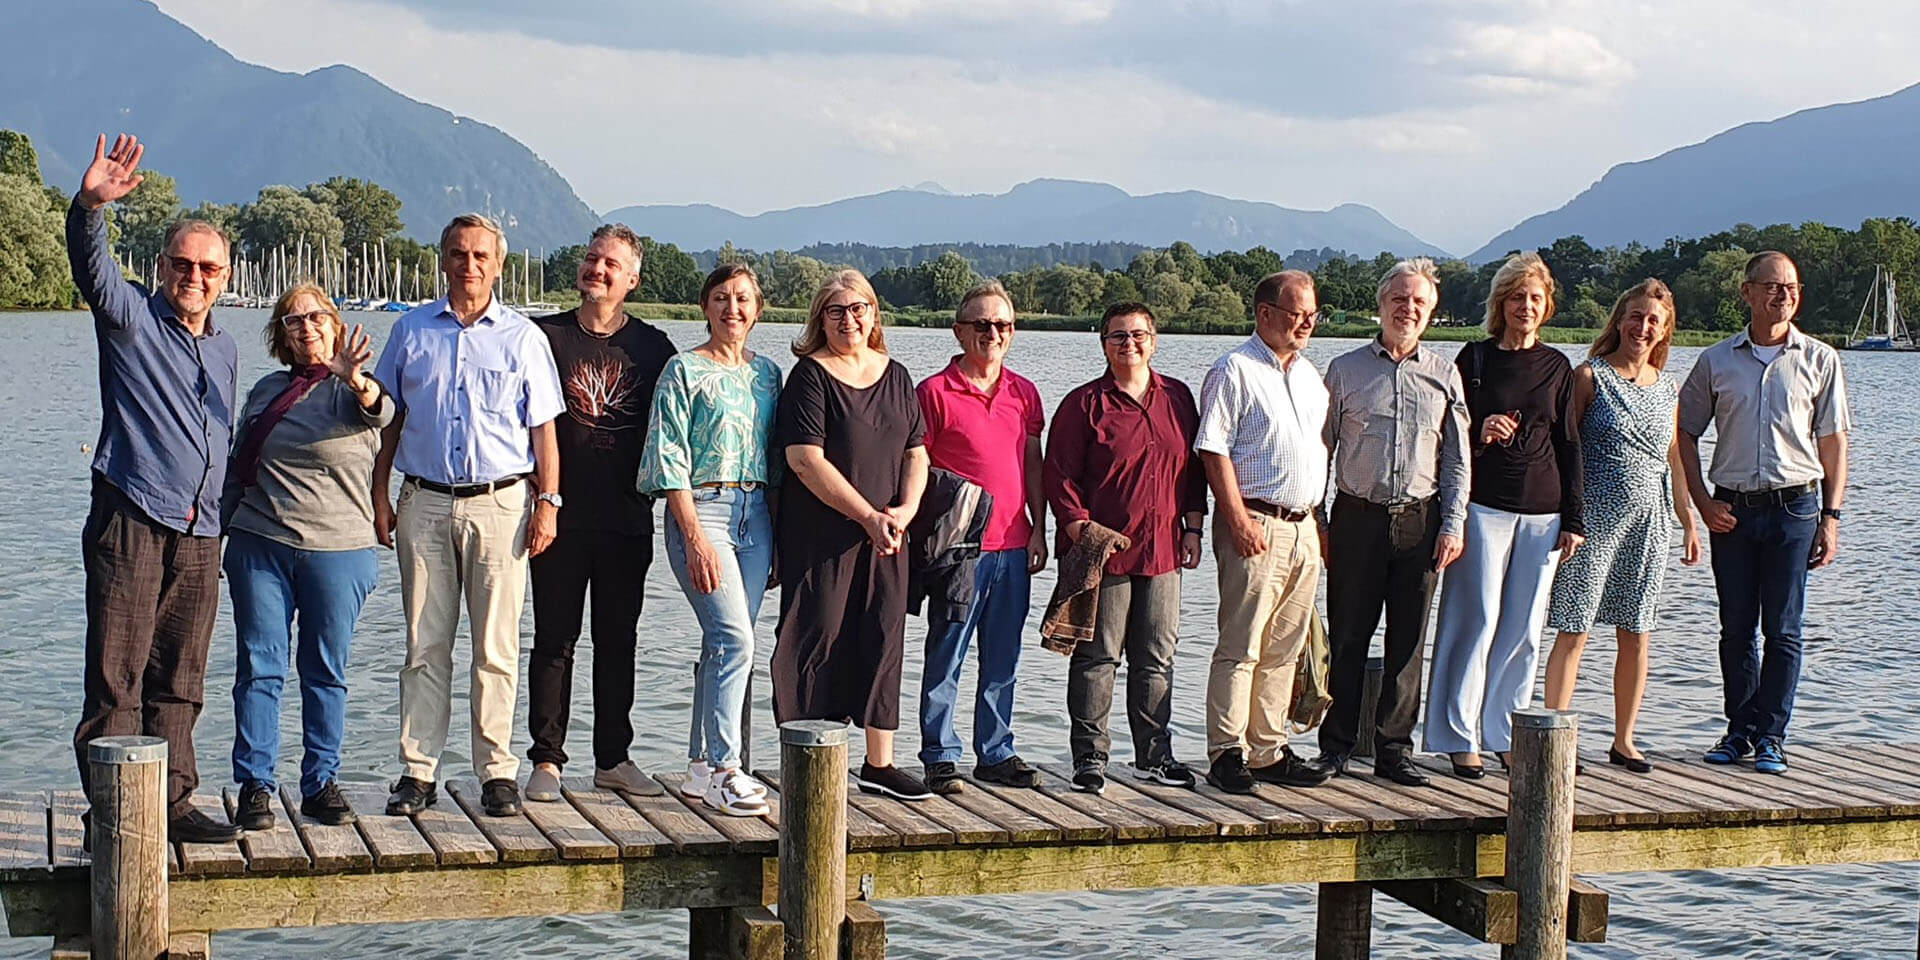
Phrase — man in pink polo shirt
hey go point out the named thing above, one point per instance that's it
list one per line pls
(984, 423)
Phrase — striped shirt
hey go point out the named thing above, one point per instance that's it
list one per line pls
(1397, 431)
(1266, 419)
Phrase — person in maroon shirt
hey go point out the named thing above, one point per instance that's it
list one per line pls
(1120, 454)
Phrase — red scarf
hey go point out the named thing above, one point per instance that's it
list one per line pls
(246, 460)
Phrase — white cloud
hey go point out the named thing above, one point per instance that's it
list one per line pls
(1533, 59)
(1065, 12)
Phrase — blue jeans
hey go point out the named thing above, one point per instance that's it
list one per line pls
(999, 615)
(271, 583)
(1760, 570)
(740, 530)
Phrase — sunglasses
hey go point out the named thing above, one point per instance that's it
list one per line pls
(185, 267)
(311, 318)
(987, 326)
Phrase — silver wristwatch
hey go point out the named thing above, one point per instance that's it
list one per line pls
(552, 498)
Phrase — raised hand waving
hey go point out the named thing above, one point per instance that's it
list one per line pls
(112, 174)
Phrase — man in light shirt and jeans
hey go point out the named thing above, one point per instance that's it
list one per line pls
(1262, 408)
(1777, 401)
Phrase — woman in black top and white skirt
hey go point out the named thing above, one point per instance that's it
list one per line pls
(1523, 518)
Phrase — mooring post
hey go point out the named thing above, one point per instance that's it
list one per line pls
(129, 799)
(1345, 929)
(1540, 831)
(1369, 707)
(813, 837)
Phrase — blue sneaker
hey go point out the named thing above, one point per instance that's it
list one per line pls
(1770, 756)
(1732, 748)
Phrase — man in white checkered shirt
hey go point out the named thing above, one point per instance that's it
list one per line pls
(1262, 409)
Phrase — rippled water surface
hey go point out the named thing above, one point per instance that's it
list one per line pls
(1858, 685)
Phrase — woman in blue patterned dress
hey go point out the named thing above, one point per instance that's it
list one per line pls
(1626, 406)
(706, 451)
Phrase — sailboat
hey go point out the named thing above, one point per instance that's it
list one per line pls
(1880, 326)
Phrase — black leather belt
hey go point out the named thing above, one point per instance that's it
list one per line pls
(1390, 509)
(1778, 497)
(1276, 511)
(458, 490)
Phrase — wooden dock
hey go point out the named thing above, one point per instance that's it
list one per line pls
(597, 852)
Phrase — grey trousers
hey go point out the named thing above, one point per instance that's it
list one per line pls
(1140, 618)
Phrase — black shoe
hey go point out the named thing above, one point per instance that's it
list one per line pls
(891, 781)
(499, 797)
(1290, 771)
(1330, 764)
(1229, 772)
(410, 796)
(944, 778)
(328, 807)
(1011, 772)
(1401, 769)
(1090, 777)
(1635, 764)
(1467, 771)
(1170, 773)
(255, 809)
(196, 827)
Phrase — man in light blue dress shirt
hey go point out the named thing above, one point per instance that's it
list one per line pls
(477, 392)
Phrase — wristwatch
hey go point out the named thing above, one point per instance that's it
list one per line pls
(552, 498)
(1833, 512)
(1196, 531)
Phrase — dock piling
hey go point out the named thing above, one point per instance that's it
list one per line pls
(1540, 831)
(1345, 923)
(129, 872)
(813, 837)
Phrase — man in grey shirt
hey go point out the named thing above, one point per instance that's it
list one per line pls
(1778, 404)
(1397, 434)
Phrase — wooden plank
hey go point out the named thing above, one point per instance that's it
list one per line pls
(863, 936)
(275, 849)
(1764, 797)
(682, 827)
(1020, 826)
(1481, 909)
(1175, 821)
(1230, 821)
(1808, 775)
(25, 831)
(1587, 909)
(327, 847)
(393, 842)
(1901, 799)
(863, 832)
(1128, 822)
(1767, 844)
(210, 859)
(913, 829)
(967, 826)
(1074, 825)
(570, 832)
(1419, 807)
(630, 832)
(1637, 804)
(1328, 807)
(515, 837)
(1870, 757)
(454, 838)
(1281, 820)
(747, 834)
(1695, 803)
(68, 844)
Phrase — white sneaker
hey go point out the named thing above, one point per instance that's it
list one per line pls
(695, 788)
(736, 794)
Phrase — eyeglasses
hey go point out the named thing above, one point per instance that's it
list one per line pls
(311, 318)
(840, 311)
(1776, 289)
(185, 266)
(987, 326)
(1293, 316)
(1119, 337)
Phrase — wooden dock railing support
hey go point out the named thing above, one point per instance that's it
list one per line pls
(1540, 831)
(129, 799)
(813, 837)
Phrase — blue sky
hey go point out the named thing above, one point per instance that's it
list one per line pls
(1455, 118)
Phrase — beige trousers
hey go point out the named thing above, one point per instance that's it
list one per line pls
(1266, 605)
(471, 548)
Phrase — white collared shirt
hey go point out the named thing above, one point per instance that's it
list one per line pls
(1267, 420)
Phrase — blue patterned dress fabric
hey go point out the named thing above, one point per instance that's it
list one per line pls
(1615, 576)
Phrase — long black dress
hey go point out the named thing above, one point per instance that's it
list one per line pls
(843, 607)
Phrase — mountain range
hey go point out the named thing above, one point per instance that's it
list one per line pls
(223, 128)
(1033, 213)
(1838, 164)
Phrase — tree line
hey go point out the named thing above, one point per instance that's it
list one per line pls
(1187, 289)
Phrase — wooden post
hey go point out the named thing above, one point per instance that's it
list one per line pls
(865, 935)
(1345, 930)
(813, 837)
(129, 799)
(1540, 831)
(1369, 707)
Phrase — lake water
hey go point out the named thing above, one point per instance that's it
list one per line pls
(1858, 685)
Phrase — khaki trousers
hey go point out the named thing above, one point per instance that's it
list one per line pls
(472, 548)
(1266, 605)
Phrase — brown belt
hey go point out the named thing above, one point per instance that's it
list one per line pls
(1275, 510)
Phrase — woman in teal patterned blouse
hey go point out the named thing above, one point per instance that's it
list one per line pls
(706, 451)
